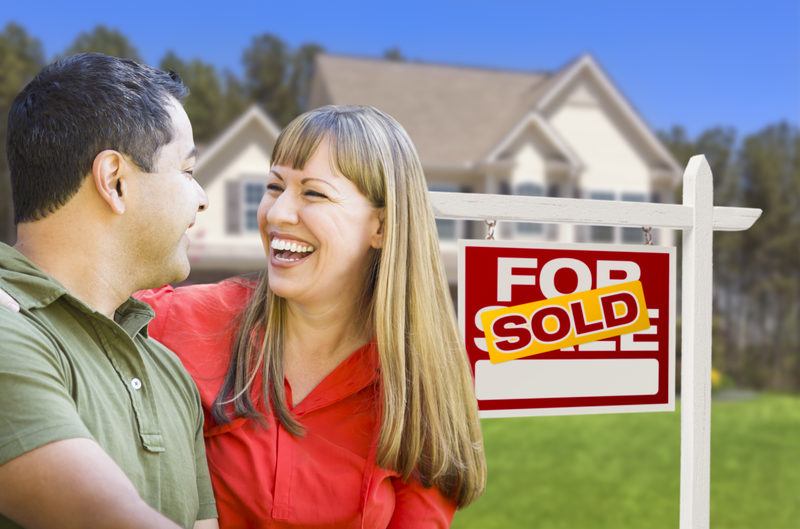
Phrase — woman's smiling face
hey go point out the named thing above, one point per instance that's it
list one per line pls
(317, 230)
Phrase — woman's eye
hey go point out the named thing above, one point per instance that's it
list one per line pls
(274, 187)
(315, 194)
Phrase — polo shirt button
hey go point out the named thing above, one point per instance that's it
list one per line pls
(136, 384)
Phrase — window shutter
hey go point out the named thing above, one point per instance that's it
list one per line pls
(233, 207)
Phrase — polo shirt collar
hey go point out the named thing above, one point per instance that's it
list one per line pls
(33, 289)
(25, 282)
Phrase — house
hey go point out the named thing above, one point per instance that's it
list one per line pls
(568, 133)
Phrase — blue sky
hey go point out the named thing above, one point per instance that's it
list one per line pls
(698, 64)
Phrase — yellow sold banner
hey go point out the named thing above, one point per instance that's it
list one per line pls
(564, 321)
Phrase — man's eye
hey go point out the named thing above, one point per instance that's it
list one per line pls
(315, 194)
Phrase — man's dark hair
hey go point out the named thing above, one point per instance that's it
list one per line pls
(74, 109)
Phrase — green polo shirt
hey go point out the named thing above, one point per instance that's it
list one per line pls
(67, 371)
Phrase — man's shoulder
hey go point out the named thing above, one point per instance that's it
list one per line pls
(21, 328)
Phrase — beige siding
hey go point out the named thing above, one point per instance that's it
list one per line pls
(611, 161)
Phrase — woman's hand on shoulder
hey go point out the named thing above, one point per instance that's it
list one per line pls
(7, 302)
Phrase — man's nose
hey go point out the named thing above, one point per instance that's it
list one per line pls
(203, 205)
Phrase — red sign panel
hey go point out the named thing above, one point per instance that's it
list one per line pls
(622, 372)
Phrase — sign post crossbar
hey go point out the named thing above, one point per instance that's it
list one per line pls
(698, 219)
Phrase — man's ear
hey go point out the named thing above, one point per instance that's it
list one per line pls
(377, 237)
(109, 177)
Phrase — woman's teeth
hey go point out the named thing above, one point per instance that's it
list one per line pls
(278, 244)
(290, 250)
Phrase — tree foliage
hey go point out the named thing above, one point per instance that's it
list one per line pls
(277, 78)
(102, 39)
(756, 272)
(301, 75)
(205, 105)
(21, 57)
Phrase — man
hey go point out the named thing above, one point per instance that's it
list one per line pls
(100, 426)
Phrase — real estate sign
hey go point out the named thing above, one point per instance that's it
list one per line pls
(556, 329)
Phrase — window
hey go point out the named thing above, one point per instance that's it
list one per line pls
(612, 233)
(530, 189)
(252, 193)
(602, 233)
(633, 235)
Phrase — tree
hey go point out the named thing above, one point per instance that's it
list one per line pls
(235, 100)
(266, 63)
(106, 40)
(21, 57)
(679, 144)
(770, 179)
(277, 78)
(756, 272)
(205, 105)
(302, 73)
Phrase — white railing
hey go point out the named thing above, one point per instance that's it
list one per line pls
(698, 219)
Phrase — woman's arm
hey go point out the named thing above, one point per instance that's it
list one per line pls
(7, 302)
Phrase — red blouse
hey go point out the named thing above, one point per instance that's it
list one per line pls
(265, 477)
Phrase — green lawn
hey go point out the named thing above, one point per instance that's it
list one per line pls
(622, 471)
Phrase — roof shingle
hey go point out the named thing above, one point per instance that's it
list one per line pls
(455, 115)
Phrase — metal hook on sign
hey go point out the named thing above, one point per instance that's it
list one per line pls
(648, 235)
(490, 225)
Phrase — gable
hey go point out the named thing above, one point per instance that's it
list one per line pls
(543, 138)
(252, 127)
(585, 90)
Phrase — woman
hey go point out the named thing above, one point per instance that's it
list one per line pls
(341, 391)
(336, 389)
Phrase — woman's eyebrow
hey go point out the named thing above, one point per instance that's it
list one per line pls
(304, 180)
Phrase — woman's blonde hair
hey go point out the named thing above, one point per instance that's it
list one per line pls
(429, 422)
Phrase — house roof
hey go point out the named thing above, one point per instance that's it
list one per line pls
(461, 116)
(454, 114)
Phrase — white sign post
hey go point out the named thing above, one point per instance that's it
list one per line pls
(698, 219)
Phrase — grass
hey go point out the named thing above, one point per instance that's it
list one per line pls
(623, 471)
